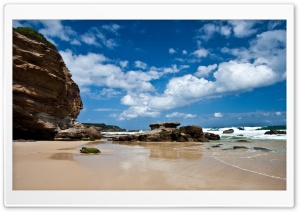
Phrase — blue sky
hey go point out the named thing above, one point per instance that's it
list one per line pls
(209, 73)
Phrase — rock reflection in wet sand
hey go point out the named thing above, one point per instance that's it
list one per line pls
(170, 150)
(63, 156)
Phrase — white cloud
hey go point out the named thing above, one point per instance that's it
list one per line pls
(172, 69)
(123, 63)
(113, 28)
(278, 113)
(93, 69)
(138, 111)
(96, 36)
(225, 30)
(172, 51)
(218, 115)
(201, 52)
(55, 29)
(230, 77)
(273, 24)
(181, 115)
(109, 92)
(105, 109)
(208, 30)
(204, 71)
(140, 64)
(90, 39)
(183, 67)
(75, 42)
(269, 48)
(243, 28)
(234, 76)
(184, 52)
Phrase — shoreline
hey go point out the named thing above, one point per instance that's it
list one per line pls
(58, 165)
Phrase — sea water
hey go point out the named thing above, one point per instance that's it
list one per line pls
(257, 132)
(248, 132)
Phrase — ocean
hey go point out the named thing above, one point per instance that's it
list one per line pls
(243, 132)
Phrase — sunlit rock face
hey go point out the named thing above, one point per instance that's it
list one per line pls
(45, 98)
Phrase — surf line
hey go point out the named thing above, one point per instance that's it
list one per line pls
(247, 170)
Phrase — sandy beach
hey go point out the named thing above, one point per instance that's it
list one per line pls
(53, 165)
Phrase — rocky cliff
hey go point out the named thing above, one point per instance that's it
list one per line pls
(45, 98)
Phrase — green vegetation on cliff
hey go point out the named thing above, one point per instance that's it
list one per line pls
(34, 35)
(104, 128)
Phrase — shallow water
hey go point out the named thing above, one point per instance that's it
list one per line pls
(189, 166)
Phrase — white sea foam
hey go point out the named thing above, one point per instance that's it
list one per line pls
(249, 132)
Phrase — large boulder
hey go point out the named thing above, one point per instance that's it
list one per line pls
(164, 125)
(45, 98)
(92, 132)
(71, 134)
(193, 131)
(211, 136)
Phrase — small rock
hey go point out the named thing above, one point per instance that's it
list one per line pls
(240, 147)
(228, 131)
(218, 145)
(242, 141)
(275, 132)
(262, 149)
(91, 150)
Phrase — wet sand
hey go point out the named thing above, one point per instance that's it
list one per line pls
(45, 165)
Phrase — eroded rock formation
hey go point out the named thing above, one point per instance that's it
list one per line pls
(166, 132)
(45, 98)
(164, 125)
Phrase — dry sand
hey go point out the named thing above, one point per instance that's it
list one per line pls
(54, 165)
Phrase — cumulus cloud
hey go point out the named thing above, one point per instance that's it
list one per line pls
(239, 28)
(201, 52)
(204, 71)
(234, 76)
(243, 28)
(218, 115)
(225, 30)
(181, 115)
(140, 64)
(172, 51)
(184, 52)
(138, 111)
(278, 113)
(172, 69)
(123, 63)
(55, 29)
(261, 65)
(208, 30)
(269, 48)
(93, 69)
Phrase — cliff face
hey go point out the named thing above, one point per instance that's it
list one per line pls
(45, 98)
